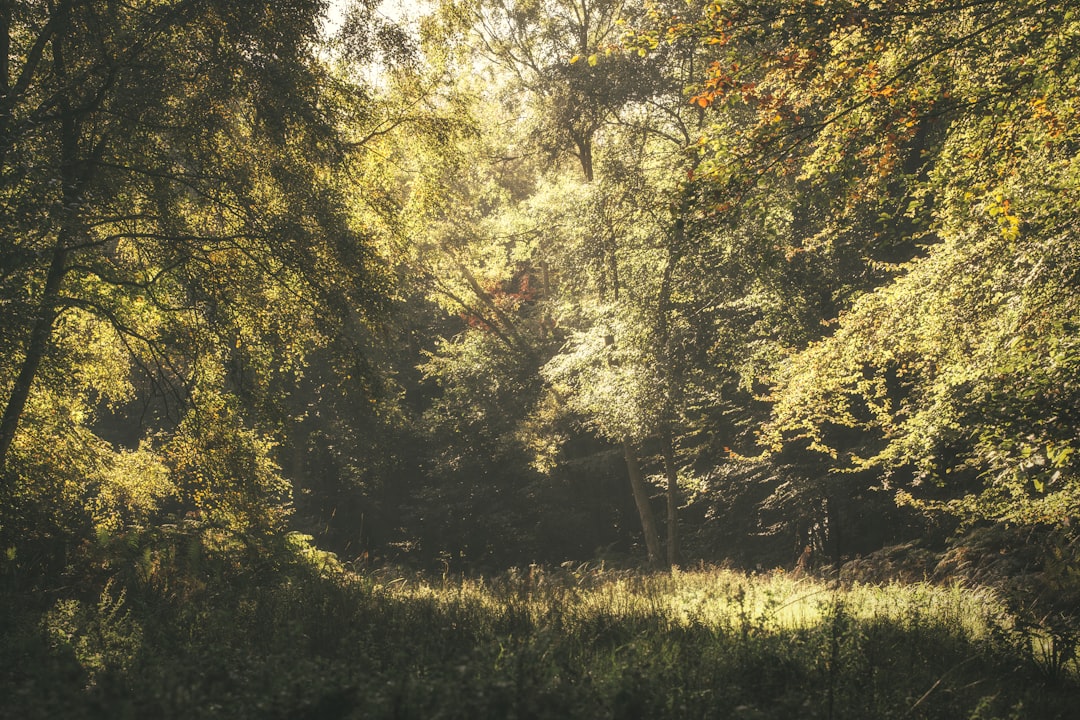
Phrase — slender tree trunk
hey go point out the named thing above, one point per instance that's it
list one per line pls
(641, 498)
(673, 498)
(583, 143)
(37, 344)
(36, 348)
(831, 528)
(672, 379)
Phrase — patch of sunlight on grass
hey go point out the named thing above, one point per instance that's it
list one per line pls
(709, 598)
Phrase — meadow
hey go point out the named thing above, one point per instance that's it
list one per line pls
(314, 640)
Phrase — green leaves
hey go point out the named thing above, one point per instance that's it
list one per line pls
(174, 207)
(924, 159)
(609, 378)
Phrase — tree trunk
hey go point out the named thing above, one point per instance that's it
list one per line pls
(583, 143)
(49, 306)
(35, 352)
(641, 498)
(673, 382)
(673, 498)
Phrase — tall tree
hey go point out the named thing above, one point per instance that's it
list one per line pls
(926, 148)
(611, 249)
(167, 172)
(558, 52)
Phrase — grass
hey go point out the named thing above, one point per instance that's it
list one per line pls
(303, 642)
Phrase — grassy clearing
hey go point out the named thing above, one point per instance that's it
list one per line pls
(584, 643)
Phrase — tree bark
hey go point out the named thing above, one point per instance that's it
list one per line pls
(641, 499)
(673, 497)
(36, 348)
(37, 344)
(672, 381)
(583, 143)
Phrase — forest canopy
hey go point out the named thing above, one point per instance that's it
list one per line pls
(510, 282)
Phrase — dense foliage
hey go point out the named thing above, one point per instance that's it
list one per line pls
(945, 136)
(773, 283)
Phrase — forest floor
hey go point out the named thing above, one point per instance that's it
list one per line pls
(309, 639)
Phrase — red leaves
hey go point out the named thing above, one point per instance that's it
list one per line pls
(720, 83)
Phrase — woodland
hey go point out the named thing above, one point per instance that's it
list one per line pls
(539, 359)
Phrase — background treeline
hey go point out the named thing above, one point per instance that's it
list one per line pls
(799, 275)
(766, 282)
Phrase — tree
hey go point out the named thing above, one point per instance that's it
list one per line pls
(926, 147)
(559, 54)
(612, 249)
(170, 181)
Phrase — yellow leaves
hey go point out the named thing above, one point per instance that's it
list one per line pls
(721, 81)
(1054, 125)
(593, 59)
(678, 29)
(904, 498)
(132, 488)
(1010, 229)
(1008, 221)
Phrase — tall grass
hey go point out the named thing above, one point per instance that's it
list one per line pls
(571, 643)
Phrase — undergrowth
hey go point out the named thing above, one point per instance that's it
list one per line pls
(196, 634)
